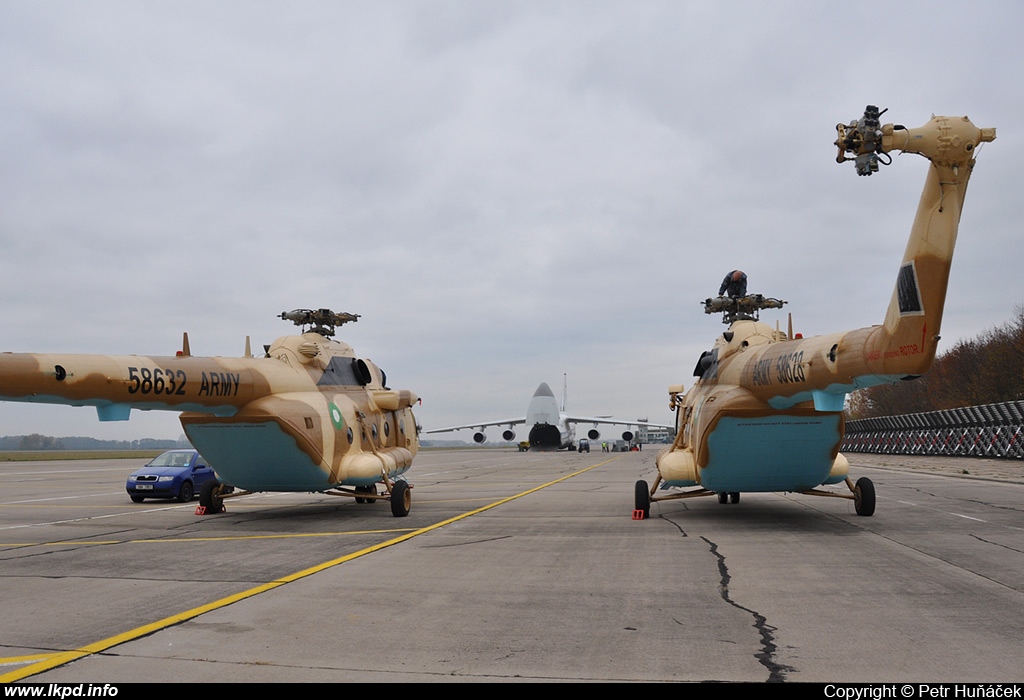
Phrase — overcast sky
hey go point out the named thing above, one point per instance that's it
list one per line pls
(507, 192)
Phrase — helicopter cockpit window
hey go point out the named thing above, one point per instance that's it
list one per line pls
(706, 358)
(340, 372)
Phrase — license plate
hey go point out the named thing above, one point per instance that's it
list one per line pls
(144, 487)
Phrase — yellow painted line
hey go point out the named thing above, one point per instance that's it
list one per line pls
(61, 658)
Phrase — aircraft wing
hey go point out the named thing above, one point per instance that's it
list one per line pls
(609, 421)
(481, 424)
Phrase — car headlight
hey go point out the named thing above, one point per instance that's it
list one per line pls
(166, 478)
(132, 477)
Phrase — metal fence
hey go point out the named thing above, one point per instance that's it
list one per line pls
(994, 430)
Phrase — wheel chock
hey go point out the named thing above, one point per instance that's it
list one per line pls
(638, 514)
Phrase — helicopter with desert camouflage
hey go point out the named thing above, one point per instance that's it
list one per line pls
(766, 411)
(307, 416)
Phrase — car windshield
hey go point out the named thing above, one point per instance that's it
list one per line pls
(172, 459)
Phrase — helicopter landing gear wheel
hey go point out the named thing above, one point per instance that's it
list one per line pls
(401, 499)
(364, 489)
(864, 496)
(209, 497)
(734, 497)
(723, 498)
(641, 501)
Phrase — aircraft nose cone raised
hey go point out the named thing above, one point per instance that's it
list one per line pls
(543, 390)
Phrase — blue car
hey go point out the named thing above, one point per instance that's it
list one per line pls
(174, 474)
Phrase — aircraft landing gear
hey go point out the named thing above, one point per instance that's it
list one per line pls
(210, 500)
(641, 501)
(734, 497)
(864, 496)
(723, 498)
(401, 499)
(365, 489)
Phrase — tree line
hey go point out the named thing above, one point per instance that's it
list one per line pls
(986, 369)
(49, 443)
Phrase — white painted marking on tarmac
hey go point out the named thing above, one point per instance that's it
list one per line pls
(967, 517)
(59, 498)
(135, 511)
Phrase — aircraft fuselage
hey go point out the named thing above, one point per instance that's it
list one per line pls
(308, 417)
(548, 428)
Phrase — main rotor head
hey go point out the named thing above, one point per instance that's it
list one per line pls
(322, 321)
(740, 308)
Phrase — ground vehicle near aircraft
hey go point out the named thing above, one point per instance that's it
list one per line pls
(766, 412)
(550, 427)
(309, 416)
(178, 474)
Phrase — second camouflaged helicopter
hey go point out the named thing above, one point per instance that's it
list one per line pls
(309, 416)
(766, 413)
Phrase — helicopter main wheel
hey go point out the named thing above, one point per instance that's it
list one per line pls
(364, 489)
(209, 497)
(734, 497)
(723, 498)
(401, 499)
(864, 496)
(641, 499)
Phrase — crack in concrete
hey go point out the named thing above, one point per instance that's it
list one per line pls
(776, 671)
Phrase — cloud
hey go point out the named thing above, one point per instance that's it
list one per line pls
(507, 192)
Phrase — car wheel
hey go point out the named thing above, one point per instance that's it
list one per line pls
(137, 499)
(185, 493)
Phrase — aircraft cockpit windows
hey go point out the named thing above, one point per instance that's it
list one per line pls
(345, 371)
(706, 358)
